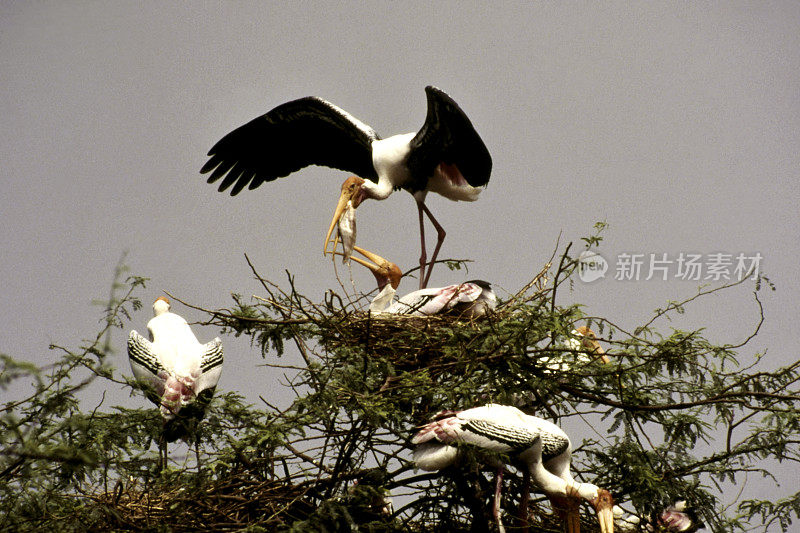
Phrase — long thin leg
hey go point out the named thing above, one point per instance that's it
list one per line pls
(498, 487)
(523, 500)
(197, 453)
(162, 452)
(422, 257)
(440, 234)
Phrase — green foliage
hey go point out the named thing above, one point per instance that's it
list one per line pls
(672, 417)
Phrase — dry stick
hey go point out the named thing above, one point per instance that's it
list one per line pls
(561, 268)
(538, 277)
(232, 317)
(674, 305)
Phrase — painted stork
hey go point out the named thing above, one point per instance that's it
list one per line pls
(176, 372)
(542, 446)
(583, 350)
(446, 156)
(470, 299)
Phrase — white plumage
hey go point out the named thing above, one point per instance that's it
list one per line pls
(541, 445)
(470, 299)
(177, 372)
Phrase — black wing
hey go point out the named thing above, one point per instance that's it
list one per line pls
(448, 136)
(308, 131)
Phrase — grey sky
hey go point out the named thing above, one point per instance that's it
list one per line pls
(676, 123)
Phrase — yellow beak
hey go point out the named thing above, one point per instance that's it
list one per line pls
(375, 258)
(602, 353)
(604, 506)
(606, 518)
(337, 214)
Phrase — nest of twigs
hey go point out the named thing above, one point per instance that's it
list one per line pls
(404, 341)
(235, 502)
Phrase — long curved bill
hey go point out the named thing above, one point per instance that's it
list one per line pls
(598, 350)
(606, 518)
(590, 343)
(337, 214)
(374, 266)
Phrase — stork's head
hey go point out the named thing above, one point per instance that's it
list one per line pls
(589, 342)
(352, 191)
(604, 506)
(160, 306)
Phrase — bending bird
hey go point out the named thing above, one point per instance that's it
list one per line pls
(446, 156)
(540, 445)
(176, 372)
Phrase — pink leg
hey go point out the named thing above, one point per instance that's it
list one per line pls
(422, 257)
(523, 501)
(441, 234)
(162, 452)
(496, 507)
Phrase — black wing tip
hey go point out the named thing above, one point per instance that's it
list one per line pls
(210, 165)
(436, 93)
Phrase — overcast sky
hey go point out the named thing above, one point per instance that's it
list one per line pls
(677, 124)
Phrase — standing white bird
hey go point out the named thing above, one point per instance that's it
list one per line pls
(542, 446)
(470, 299)
(176, 372)
(446, 156)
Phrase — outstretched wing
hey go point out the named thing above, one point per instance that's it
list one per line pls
(210, 366)
(212, 355)
(146, 366)
(303, 132)
(448, 137)
(144, 361)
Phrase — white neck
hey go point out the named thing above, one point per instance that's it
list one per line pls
(389, 157)
(377, 191)
(562, 485)
(587, 491)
